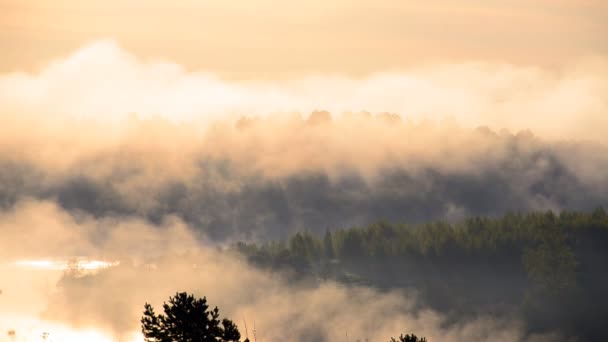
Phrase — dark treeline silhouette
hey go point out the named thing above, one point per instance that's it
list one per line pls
(187, 319)
(408, 338)
(548, 269)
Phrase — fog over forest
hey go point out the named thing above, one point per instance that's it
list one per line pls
(240, 180)
(161, 174)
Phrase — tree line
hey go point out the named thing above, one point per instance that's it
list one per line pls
(548, 268)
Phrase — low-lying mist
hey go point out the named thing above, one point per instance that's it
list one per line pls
(156, 261)
(266, 178)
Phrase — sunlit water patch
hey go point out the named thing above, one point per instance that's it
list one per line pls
(76, 264)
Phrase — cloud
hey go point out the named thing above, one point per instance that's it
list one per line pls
(104, 82)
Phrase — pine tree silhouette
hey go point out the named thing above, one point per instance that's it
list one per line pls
(187, 319)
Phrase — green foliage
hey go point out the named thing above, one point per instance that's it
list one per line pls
(549, 266)
(514, 235)
(187, 319)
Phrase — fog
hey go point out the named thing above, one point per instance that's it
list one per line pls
(104, 82)
(156, 261)
(266, 178)
(151, 171)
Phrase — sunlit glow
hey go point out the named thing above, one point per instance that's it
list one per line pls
(42, 264)
(28, 329)
(80, 264)
(96, 264)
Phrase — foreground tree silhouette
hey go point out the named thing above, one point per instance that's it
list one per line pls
(187, 319)
(408, 338)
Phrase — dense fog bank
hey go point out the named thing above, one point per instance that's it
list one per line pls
(267, 178)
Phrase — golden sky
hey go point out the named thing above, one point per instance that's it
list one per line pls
(271, 38)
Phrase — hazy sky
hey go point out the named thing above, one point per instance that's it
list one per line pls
(271, 38)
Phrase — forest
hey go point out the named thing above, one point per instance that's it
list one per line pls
(546, 269)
